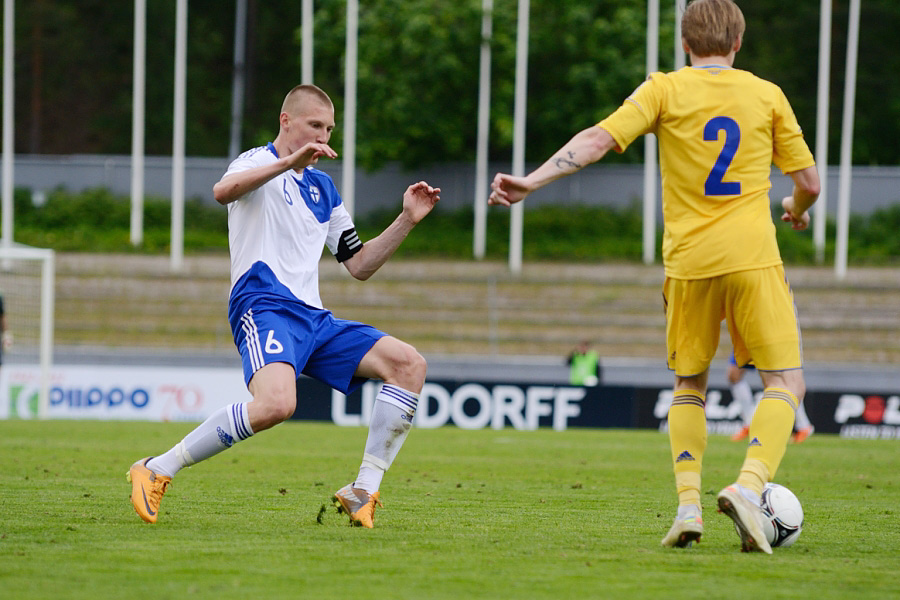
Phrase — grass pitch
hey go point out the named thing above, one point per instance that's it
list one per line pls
(468, 514)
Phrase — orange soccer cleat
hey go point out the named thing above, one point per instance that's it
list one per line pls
(357, 504)
(147, 489)
(744, 432)
(800, 436)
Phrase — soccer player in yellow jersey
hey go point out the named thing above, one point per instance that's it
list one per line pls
(720, 130)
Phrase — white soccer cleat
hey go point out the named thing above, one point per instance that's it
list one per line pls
(685, 531)
(748, 519)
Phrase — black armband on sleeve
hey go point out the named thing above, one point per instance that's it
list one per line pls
(348, 245)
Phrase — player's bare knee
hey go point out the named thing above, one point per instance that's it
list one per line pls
(272, 409)
(792, 380)
(284, 410)
(408, 368)
(272, 415)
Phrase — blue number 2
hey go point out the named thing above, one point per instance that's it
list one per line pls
(714, 184)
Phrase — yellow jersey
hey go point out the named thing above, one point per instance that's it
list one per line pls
(720, 130)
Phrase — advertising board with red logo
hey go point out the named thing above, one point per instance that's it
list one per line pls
(192, 394)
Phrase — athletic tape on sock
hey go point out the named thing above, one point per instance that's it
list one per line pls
(370, 460)
(184, 457)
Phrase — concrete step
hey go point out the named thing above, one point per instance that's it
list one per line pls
(459, 307)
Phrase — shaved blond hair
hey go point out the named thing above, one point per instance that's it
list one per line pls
(711, 27)
(301, 94)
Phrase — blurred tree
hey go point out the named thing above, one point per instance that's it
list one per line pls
(418, 74)
(585, 59)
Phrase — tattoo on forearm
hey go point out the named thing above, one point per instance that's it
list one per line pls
(564, 162)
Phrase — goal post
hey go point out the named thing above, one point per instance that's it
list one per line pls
(27, 285)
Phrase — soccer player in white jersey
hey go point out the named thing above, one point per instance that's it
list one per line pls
(281, 211)
(720, 129)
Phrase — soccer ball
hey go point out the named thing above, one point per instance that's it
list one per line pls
(784, 515)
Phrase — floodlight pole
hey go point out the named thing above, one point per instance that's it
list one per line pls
(821, 213)
(843, 214)
(484, 119)
(306, 42)
(348, 181)
(8, 125)
(650, 139)
(137, 122)
(178, 134)
(517, 217)
(680, 59)
(237, 78)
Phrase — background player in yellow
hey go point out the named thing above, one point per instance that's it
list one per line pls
(720, 129)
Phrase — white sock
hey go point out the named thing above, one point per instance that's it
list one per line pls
(743, 395)
(749, 494)
(801, 421)
(218, 432)
(391, 421)
(686, 510)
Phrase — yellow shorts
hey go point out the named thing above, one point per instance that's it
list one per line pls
(758, 308)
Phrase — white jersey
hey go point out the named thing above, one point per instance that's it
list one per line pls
(277, 231)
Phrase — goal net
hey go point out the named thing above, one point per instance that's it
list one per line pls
(27, 277)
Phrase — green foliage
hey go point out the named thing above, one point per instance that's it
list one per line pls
(598, 233)
(584, 60)
(872, 240)
(417, 101)
(413, 54)
(99, 221)
(582, 233)
(467, 514)
(554, 233)
(418, 73)
(876, 237)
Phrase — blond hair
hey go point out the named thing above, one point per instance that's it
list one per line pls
(711, 27)
(298, 96)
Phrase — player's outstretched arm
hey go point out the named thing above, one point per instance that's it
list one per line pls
(236, 185)
(418, 200)
(804, 195)
(586, 147)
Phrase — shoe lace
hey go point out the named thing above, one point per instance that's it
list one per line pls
(370, 504)
(160, 485)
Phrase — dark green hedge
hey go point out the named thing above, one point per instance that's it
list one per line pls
(99, 221)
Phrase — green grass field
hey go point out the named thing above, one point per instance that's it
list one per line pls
(468, 514)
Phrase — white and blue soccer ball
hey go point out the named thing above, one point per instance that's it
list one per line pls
(784, 515)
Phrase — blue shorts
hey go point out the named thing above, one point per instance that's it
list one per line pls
(312, 340)
(733, 362)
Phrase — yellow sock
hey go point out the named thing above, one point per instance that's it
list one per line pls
(687, 437)
(769, 433)
(754, 475)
